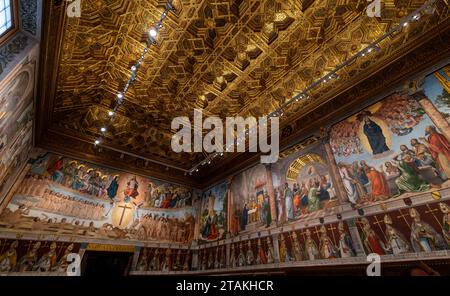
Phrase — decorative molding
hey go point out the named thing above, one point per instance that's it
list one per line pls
(12, 49)
(28, 10)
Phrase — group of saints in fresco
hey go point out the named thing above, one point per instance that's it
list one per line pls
(64, 196)
(39, 256)
(155, 259)
(371, 168)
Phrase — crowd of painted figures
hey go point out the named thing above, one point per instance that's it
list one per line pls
(157, 259)
(417, 168)
(422, 238)
(145, 228)
(58, 203)
(39, 256)
(399, 111)
(161, 228)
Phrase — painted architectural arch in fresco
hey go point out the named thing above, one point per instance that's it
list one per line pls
(437, 89)
(70, 197)
(303, 185)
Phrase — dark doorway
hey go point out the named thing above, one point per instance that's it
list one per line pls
(106, 263)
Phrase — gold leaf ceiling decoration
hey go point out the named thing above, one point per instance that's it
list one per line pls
(226, 57)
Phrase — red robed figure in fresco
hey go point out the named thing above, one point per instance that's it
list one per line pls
(438, 144)
(213, 233)
(57, 166)
(379, 184)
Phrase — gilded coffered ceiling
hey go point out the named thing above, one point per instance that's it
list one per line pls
(226, 57)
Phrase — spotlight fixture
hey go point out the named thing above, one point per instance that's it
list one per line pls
(133, 68)
(404, 24)
(96, 142)
(103, 129)
(120, 96)
(153, 33)
(111, 113)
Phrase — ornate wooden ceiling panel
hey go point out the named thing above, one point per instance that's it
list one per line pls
(226, 57)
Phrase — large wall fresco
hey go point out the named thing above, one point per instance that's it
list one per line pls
(16, 123)
(250, 206)
(37, 256)
(303, 184)
(390, 149)
(65, 196)
(213, 221)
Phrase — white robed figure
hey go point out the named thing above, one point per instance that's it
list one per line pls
(349, 184)
(288, 198)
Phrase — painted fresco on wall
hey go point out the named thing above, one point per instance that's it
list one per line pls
(303, 185)
(66, 196)
(213, 224)
(38, 256)
(417, 229)
(251, 206)
(16, 122)
(389, 149)
(157, 259)
(437, 89)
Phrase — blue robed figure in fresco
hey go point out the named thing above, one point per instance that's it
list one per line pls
(112, 189)
(374, 134)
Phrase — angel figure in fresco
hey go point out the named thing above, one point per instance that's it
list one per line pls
(346, 248)
(423, 237)
(48, 261)
(396, 243)
(143, 261)
(8, 260)
(261, 257)
(250, 258)
(27, 262)
(296, 246)
(326, 246)
(312, 253)
(131, 192)
(370, 239)
(374, 134)
(269, 252)
(445, 209)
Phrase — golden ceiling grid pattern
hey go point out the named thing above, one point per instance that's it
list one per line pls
(227, 57)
